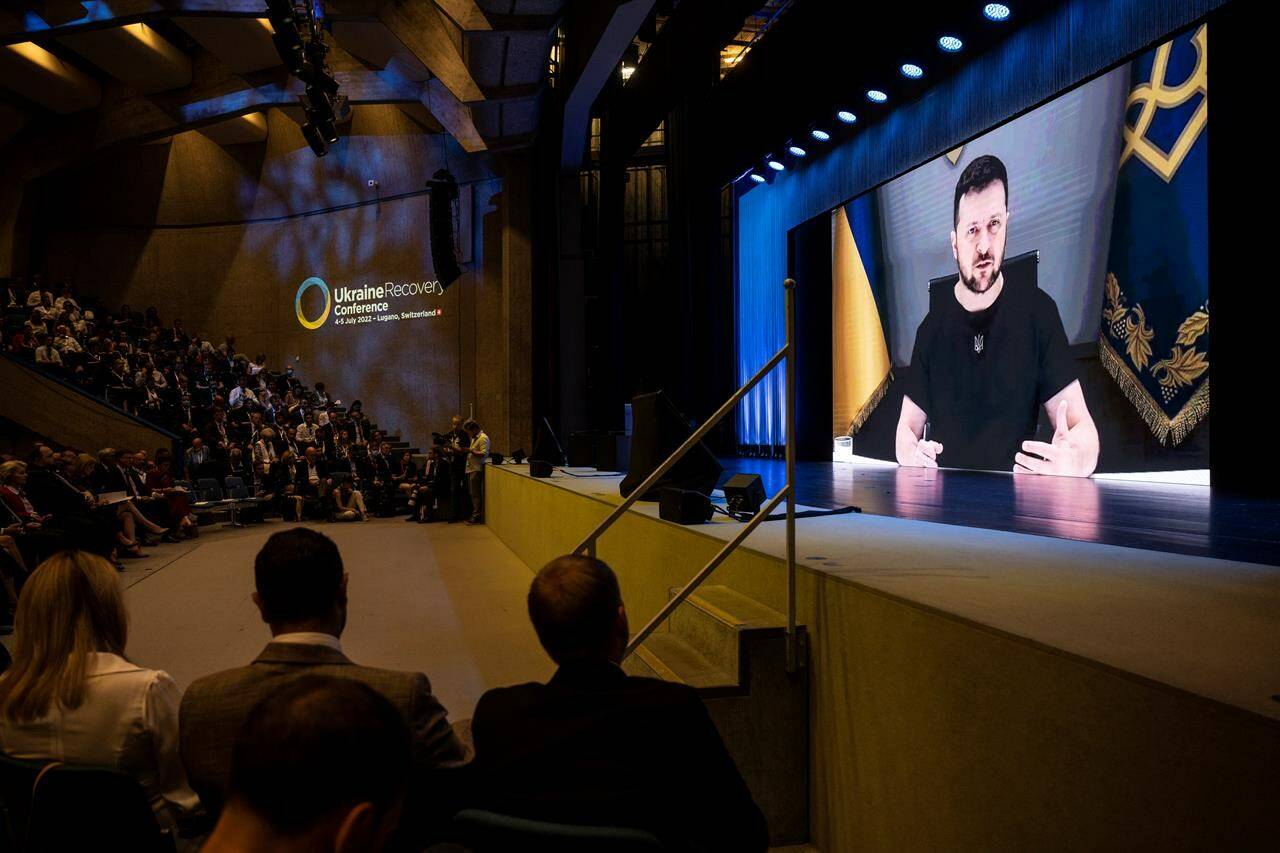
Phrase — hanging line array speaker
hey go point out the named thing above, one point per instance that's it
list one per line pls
(444, 260)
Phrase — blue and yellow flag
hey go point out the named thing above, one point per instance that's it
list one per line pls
(1155, 318)
(861, 369)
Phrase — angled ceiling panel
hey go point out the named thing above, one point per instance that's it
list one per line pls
(42, 78)
(242, 44)
(136, 55)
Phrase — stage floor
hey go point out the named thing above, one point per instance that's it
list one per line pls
(1176, 518)
(1204, 625)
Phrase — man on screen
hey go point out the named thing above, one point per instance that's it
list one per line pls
(989, 354)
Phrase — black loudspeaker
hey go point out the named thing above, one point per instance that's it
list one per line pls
(744, 493)
(684, 507)
(444, 192)
(539, 468)
(657, 430)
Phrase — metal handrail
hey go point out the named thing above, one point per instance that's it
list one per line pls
(788, 492)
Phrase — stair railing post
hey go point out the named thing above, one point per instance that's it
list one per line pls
(789, 286)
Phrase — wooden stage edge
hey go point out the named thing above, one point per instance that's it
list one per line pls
(1042, 692)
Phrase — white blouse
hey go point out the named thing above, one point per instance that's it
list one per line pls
(128, 721)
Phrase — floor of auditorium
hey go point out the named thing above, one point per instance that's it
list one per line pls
(444, 599)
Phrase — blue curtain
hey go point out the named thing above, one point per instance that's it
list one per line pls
(1076, 40)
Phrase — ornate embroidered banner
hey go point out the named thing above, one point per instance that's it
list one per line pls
(1155, 317)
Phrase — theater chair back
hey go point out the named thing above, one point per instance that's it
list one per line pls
(489, 832)
(52, 806)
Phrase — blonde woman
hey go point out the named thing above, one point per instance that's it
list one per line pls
(72, 696)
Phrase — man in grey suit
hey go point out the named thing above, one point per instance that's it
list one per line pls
(302, 595)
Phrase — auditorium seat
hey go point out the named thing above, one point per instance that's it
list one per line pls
(489, 832)
(248, 508)
(50, 806)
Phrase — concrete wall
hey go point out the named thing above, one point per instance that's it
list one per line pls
(50, 409)
(223, 237)
(931, 732)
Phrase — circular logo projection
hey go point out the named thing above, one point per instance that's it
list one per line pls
(314, 281)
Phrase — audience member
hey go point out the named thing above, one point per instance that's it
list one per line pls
(597, 746)
(302, 595)
(322, 763)
(72, 696)
(348, 503)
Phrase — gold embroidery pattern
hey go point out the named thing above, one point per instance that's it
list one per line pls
(1180, 370)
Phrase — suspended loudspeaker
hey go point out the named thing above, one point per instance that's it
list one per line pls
(444, 192)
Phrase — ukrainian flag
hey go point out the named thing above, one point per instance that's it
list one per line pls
(861, 369)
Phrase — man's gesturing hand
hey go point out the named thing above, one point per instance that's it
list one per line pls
(1063, 456)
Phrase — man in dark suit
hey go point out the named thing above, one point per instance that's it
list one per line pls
(322, 764)
(597, 746)
(75, 512)
(313, 475)
(302, 595)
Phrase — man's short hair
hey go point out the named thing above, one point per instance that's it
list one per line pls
(470, 424)
(315, 745)
(976, 177)
(298, 573)
(573, 604)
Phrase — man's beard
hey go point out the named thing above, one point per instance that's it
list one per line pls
(971, 280)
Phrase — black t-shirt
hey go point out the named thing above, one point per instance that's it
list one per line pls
(982, 401)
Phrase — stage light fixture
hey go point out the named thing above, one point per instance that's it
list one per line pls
(313, 137)
(912, 71)
(776, 165)
(757, 177)
(876, 96)
(819, 134)
(796, 150)
(846, 117)
(950, 44)
(996, 11)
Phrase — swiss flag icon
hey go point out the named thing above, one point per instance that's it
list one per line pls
(439, 312)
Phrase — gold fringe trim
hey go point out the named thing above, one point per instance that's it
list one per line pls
(860, 419)
(1164, 428)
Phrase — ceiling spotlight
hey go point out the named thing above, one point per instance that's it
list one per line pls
(911, 70)
(796, 150)
(876, 96)
(950, 44)
(314, 138)
(819, 134)
(996, 11)
(757, 177)
(776, 165)
(846, 117)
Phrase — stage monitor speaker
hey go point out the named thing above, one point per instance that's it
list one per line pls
(744, 493)
(684, 507)
(658, 430)
(539, 468)
(444, 260)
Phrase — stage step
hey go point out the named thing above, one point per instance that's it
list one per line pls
(715, 620)
(670, 658)
(732, 650)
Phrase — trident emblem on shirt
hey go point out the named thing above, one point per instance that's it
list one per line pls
(978, 343)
